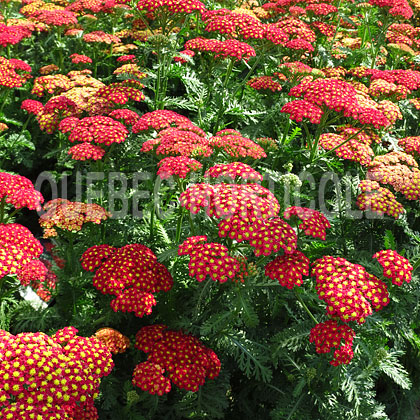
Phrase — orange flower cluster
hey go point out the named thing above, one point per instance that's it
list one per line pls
(113, 339)
(80, 58)
(185, 359)
(350, 150)
(347, 289)
(71, 216)
(314, 223)
(378, 199)
(51, 378)
(399, 170)
(180, 166)
(327, 335)
(396, 267)
(210, 259)
(51, 84)
(131, 273)
(234, 170)
(288, 269)
(101, 36)
(19, 192)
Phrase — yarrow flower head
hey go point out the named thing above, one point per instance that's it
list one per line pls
(314, 223)
(185, 140)
(99, 129)
(180, 166)
(329, 334)
(347, 289)
(31, 106)
(264, 83)
(113, 339)
(351, 149)
(80, 58)
(183, 357)
(237, 146)
(396, 267)
(378, 199)
(86, 151)
(19, 255)
(70, 216)
(181, 6)
(209, 259)
(53, 377)
(288, 269)
(159, 120)
(234, 170)
(131, 273)
(19, 192)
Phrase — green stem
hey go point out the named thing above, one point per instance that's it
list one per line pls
(304, 306)
(320, 128)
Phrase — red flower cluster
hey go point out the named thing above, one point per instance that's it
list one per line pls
(232, 142)
(327, 335)
(12, 35)
(85, 151)
(301, 109)
(128, 116)
(55, 377)
(56, 17)
(209, 259)
(234, 170)
(396, 267)
(321, 9)
(31, 106)
(334, 94)
(347, 289)
(225, 200)
(99, 129)
(410, 145)
(378, 199)
(299, 44)
(19, 192)
(113, 339)
(71, 216)
(182, 6)
(264, 83)
(180, 166)
(8, 75)
(131, 273)
(351, 150)
(120, 93)
(288, 269)
(185, 359)
(19, 253)
(80, 58)
(185, 140)
(396, 7)
(158, 120)
(313, 223)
